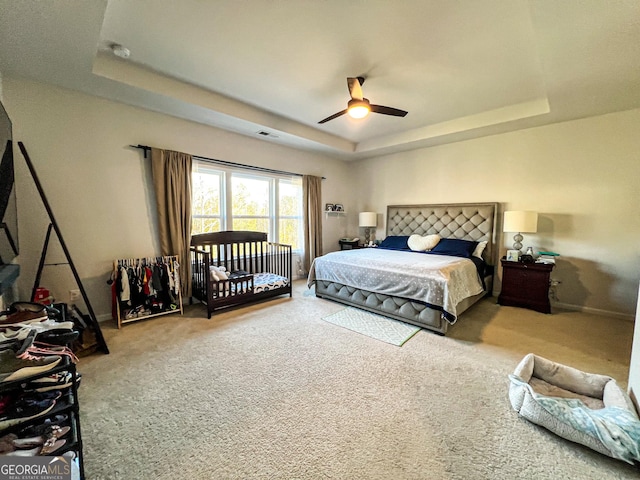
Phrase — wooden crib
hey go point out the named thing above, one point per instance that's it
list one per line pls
(256, 269)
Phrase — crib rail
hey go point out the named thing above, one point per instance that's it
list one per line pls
(248, 253)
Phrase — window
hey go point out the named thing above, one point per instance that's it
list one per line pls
(290, 230)
(232, 199)
(251, 202)
(206, 199)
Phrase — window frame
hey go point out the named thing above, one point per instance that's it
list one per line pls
(226, 199)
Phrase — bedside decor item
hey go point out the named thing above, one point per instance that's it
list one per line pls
(518, 222)
(368, 220)
(513, 255)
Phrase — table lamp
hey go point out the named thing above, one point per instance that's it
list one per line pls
(368, 220)
(520, 222)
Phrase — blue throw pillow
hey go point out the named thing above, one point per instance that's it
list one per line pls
(455, 247)
(396, 242)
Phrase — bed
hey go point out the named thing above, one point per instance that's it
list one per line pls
(234, 268)
(383, 281)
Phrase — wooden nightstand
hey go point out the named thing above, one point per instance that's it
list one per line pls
(526, 285)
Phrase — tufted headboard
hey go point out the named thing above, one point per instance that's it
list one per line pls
(468, 221)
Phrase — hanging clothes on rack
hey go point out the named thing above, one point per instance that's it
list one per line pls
(146, 287)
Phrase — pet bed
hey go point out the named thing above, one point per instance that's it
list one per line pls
(585, 408)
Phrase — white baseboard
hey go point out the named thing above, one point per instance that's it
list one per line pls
(104, 317)
(628, 317)
(596, 311)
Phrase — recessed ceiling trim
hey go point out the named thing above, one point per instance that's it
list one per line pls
(510, 113)
(134, 75)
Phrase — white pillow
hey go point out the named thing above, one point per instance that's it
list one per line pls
(418, 243)
(479, 249)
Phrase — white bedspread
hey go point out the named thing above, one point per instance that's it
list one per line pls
(438, 280)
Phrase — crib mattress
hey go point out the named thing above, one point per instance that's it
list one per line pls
(263, 282)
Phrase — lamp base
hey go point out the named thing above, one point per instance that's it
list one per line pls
(517, 242)
(367, 235)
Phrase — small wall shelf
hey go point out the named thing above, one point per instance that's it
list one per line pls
(329, 213)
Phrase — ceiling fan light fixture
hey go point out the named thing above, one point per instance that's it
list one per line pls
(358, 108)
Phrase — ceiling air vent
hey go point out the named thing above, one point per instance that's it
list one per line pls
(264, 133)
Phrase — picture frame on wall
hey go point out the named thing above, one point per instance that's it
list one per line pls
(329, 207)
(338, 207)
(513, 255)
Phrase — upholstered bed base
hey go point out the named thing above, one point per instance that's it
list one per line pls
(394, 307)
(468, 221)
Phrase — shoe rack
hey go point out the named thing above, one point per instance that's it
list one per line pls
(67, 405)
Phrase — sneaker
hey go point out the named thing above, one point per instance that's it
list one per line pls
(25, 316)
(19, 346)
(58, 337)
(9, 335)
(14, 367)
(21, 412)
(57, 381)
(43, 349)
(39, 326)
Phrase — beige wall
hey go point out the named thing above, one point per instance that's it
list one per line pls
(100, 190)
(634, 370)
(583, 177)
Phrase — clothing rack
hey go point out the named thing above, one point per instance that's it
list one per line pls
(146, 149)
(132, 262)
(152, 288)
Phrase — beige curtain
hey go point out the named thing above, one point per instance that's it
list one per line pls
(312, 192)
(172, 183)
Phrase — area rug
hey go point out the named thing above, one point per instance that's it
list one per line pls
(375, 326)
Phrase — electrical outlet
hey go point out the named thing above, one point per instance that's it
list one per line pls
(74, 295)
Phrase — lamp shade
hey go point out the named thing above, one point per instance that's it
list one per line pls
(520, 221)
(368, 219)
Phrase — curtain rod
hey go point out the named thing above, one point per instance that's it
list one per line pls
(146, 148)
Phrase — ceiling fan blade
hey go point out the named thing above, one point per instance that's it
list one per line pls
(388, 111)
(355, 89)
(335, 115)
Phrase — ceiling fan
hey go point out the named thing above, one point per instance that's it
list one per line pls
(359, 107)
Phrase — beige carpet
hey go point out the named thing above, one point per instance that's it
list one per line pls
(273, 391)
